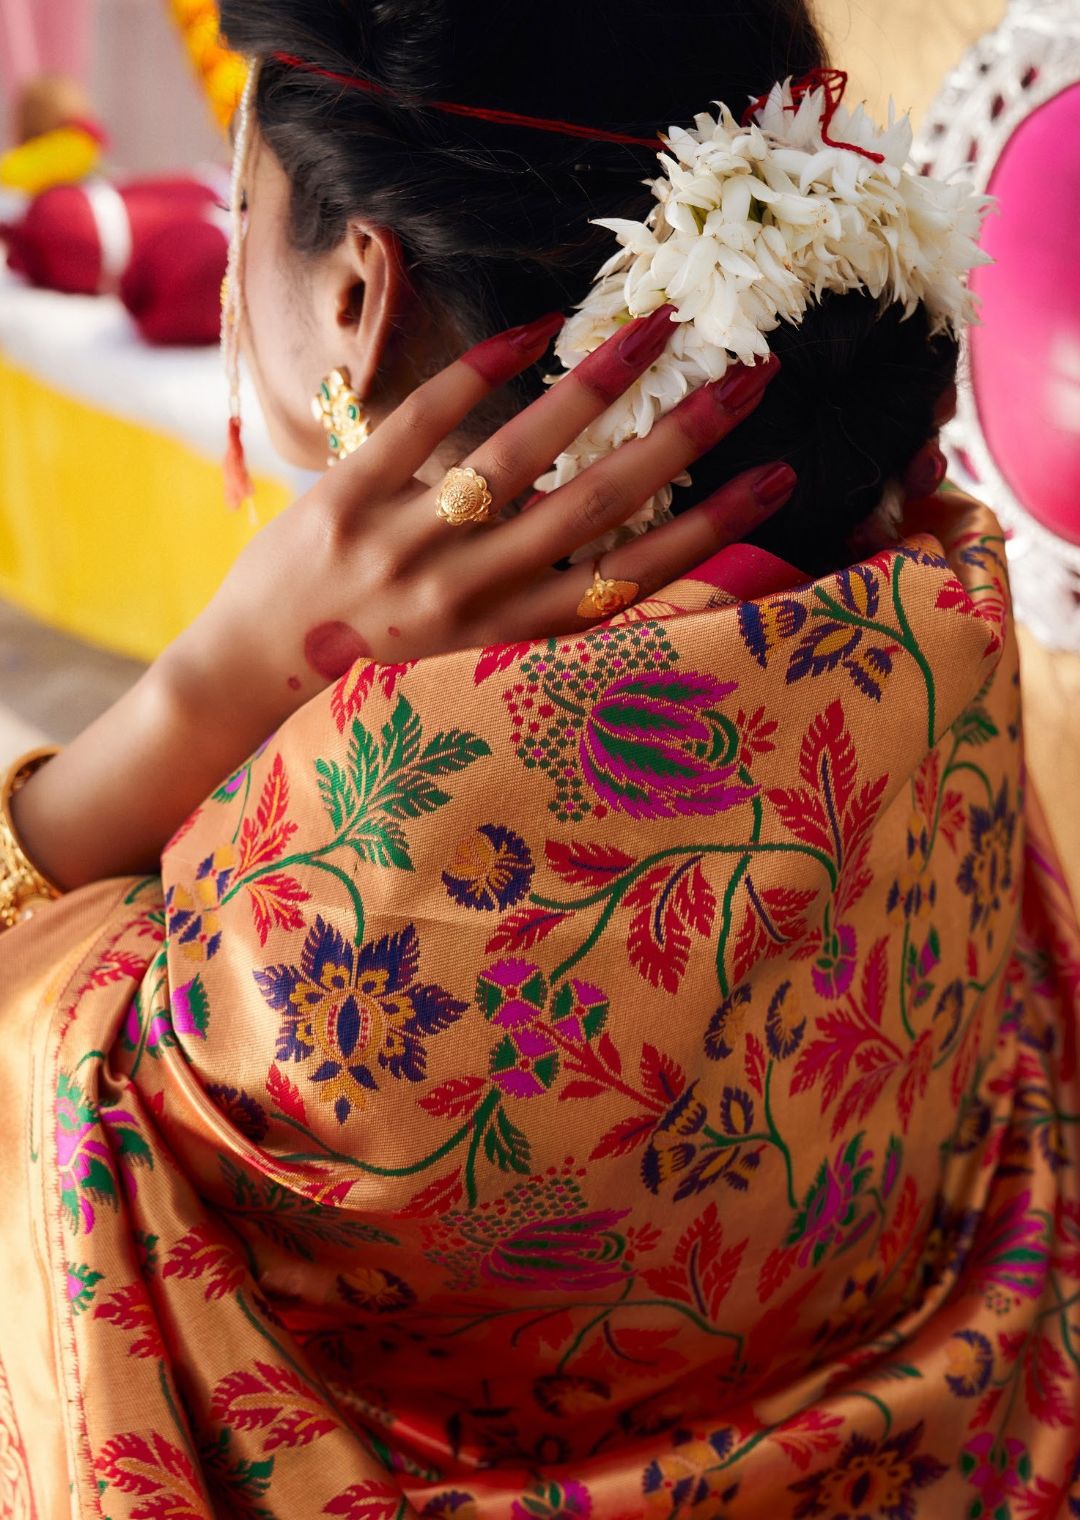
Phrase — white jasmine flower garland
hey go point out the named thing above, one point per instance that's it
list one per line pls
(751, 224)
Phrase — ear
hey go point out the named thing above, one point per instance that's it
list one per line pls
(370, 292)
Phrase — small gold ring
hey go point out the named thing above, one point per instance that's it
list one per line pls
(464, 497)
(605, 597)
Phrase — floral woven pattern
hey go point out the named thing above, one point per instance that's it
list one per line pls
(631, 1074)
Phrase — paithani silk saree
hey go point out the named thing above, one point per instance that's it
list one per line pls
(627, 1074)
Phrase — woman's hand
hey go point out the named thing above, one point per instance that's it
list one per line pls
(363, 566)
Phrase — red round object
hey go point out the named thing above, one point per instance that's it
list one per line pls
(172, 287)
(57, 244)
(1026, 354)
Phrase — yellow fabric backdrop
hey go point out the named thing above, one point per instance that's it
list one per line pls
(99, 517)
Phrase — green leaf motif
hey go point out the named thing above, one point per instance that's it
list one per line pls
(506, 1146)
(411, 795)
(336, 791)
(401, 738)
(381, 842)
(363, 762)
(975, 726)
(451, 750)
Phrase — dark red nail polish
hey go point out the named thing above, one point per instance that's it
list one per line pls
(609, 369)
(497, 358)
(774, 485)
(534, 334)
(747, 382)
(643, 344)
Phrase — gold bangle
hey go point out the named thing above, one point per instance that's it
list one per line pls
(23, 888)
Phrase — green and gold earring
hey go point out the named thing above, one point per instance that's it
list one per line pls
(341, 412)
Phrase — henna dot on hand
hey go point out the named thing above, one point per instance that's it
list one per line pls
(331, 648)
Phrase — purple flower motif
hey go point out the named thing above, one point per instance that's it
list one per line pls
(829, 1218)
(650, 743)
(348, 1014)
(970, 1360)
(1011, 1251)
(525, 1063)
(997, 1469)
(727, 1025)
(784, 1029)
(986, 871)
(241, 1110)
(568, 1500)
(870, 1479)
(512, 993)
(186, 1011)
(579, 1010)
(491, 868)
(834, 969)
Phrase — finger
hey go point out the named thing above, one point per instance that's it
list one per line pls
(653, 560)
(608, 492)
(402, 444)
(512, 458)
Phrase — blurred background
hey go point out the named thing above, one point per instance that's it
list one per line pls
(113, 160)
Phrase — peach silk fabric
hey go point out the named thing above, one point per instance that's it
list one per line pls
(628, 1074)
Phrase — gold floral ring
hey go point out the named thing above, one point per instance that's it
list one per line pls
(605, 597)
(464, 497)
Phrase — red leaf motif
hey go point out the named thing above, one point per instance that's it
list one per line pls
(775, 1271)
(455, 1098)
(624, 1137)
(200, 1254)
(695, 901)
(807, 1433)
(902, 1225)
(264, 837)
(663, 962)
(498, 657)
(436, 1198)
(802, 813)
(755, 1063)
(523, 928)
(953, 594)
(286, 1094)
(700, 1268)
(608, 1052)
(347, 697)
(1045, 1371)
(953, 820)
(587, 865)
(925, 784)
(369, 1500)
(129, 1308)
(574, 1090)
(273, 1399)
(662, 1077)
(274, 903)
(827, 757)
(875, 981)
(145, 1465)
(916, 1076)
(860, 816)
(829, 1057)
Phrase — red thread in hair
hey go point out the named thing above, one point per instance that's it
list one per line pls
(478, 113)
(834, 83)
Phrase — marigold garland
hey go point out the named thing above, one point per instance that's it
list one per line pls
(221, 73)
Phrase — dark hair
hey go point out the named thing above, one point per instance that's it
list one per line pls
(494, 220)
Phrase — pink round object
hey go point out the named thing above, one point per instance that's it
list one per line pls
(1026, 355)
